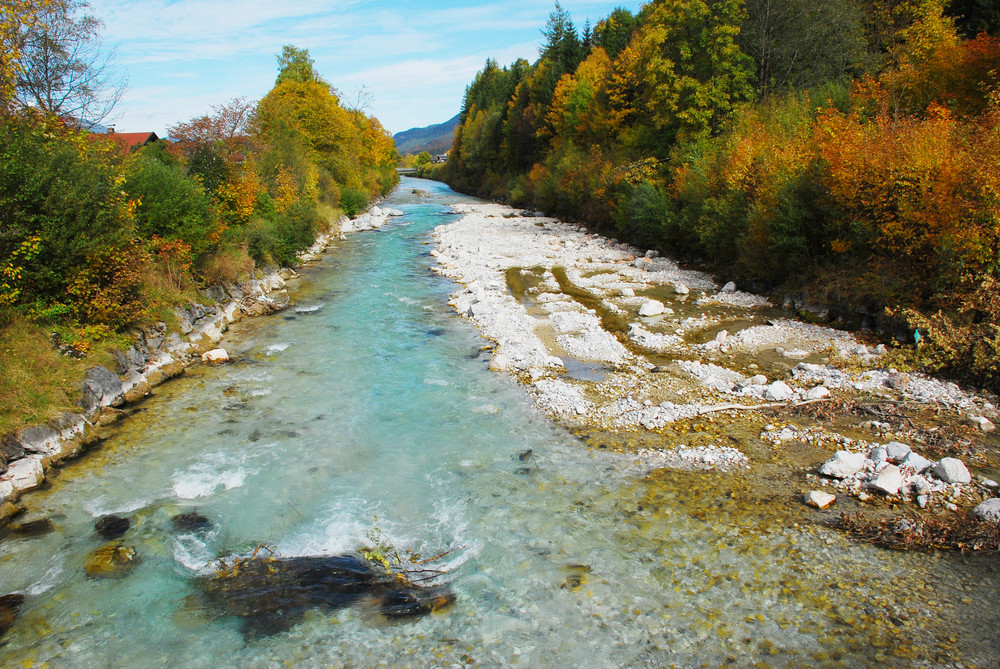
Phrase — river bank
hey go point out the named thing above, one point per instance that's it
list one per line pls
(157, 356)
(639, 355)
(368, 410)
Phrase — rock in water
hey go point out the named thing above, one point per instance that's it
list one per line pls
(111, 561)
(843, 464)
(272, 594)
(191, 522)
(413, 602)
(216, 356)
(10, 606)
(112, 527)
(952, 470)
(819, 499)
(651, 308)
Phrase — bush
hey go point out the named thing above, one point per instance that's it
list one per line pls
(170, 205)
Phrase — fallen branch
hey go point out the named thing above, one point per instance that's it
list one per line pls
(750, 407)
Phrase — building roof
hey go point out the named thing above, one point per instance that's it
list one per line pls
(127, 140)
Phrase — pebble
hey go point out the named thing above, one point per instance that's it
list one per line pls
(984, 424)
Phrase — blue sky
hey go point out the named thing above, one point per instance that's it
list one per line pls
(414, 57)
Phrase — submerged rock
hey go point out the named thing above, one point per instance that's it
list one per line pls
(10, 606)
(112, 527)
(272, 594)
(191, 522)
(408, 603)
(111, 561)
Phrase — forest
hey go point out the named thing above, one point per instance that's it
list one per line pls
(97, 239)
(847, 151)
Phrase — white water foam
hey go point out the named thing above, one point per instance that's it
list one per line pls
(213, 471)
(276, 348)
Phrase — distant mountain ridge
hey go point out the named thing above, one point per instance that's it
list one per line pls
(434, 139)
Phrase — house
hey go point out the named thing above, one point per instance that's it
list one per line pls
(127, 140)
(441, 158)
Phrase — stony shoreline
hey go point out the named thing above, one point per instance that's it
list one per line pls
(613, 339)
(29, 454)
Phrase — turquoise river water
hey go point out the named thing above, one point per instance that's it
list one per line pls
(370, 404)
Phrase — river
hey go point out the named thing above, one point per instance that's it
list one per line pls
(368, 409)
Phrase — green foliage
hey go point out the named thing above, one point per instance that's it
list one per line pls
(295, 65)
(56, 188)
(168, 204)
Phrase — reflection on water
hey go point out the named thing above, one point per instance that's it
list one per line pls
(372, 403)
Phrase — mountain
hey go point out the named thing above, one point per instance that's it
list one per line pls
(434, 138)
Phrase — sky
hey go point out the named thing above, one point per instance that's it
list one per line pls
(411, 58)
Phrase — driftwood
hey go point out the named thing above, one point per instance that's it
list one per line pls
(749, 407)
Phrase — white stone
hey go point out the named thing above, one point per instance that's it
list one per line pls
(651, 308)
(721, 337)
(215, 356)
(779, 391)
(627, 292)
(916, 462)
(759, 380)
(889, 480)
(897, 451)
(818, 393)
(25, 473)
(843, 464)
(984, 424)
(819, 499)
(878, 455)
(6, 490)
(681, 289)
(729, 288)
(952, 470)
(989, 511)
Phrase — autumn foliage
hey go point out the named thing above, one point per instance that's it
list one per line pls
(94, 240)
(870, 180)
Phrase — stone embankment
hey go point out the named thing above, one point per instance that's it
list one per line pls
(610, 338)
(155, 356)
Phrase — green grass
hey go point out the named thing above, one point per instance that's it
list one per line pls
(36, 382)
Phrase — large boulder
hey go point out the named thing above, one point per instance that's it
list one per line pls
(989, 511)
(952, 470)
(651, 308)
(916, 462)
(101, 388)
(779, 391)
(889, 480)
(897, 451)
(25, 473)
(843, 464)
(10, 450)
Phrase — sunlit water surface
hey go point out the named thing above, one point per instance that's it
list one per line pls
(369, 404)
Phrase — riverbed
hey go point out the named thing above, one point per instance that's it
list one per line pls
(368, 409)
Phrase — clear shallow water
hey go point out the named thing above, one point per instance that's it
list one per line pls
(368, 399)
